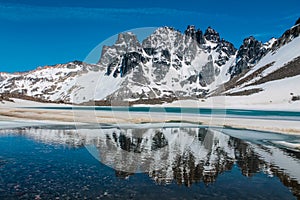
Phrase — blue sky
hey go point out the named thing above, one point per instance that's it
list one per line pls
(45, 32)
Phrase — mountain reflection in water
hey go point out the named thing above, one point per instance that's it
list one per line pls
(180, 155)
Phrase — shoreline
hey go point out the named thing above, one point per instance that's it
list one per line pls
(219, 102)
(16, 113)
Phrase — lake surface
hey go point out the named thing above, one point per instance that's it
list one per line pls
(255, 114)
(173, 162)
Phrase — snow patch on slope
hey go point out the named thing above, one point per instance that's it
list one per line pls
(280, 56)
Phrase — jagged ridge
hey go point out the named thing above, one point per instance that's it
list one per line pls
(166, 65)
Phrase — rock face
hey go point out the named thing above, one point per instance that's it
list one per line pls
(195, 34)
(126, 52)
(167, 64)
(250, 52)
(287, 36)
(212, 35)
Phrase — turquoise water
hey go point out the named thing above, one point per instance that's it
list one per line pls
(55, 162)
(258, 114)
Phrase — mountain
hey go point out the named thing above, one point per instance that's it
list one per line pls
(49, 83)
(166, 66)
(274, 76)
(250, 52)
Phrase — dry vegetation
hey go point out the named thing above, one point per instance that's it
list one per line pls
(289, 70)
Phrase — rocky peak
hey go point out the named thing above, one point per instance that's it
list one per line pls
(162, 38)
(250, 42)
(127, 51)
(195, 34)
(287, 36)
(167, 61)
(127, 41)
(225, 50)
(163, 32)
(250, 52)
(190, 30)
(211, 35)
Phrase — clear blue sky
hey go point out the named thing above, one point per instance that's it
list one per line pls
(45, 32)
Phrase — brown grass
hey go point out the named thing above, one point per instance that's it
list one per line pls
(245, 92)
(289, 70)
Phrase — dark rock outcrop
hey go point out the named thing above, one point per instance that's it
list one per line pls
(212, 35)
(129, 62)
(250, 52)
(197, 35)
(287, 36)
(123, 56)
(226, 47)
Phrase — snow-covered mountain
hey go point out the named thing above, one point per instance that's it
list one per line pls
(54, 83)
(274, 78)
(166, 66)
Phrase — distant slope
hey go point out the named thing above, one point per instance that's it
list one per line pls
(50, 83)
(274, 79)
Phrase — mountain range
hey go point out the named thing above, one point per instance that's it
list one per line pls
(169, 65)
